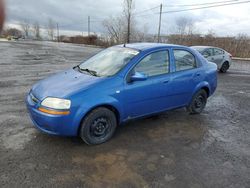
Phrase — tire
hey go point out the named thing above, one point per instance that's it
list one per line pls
(224, 67)
(198, 102)
(98, 126)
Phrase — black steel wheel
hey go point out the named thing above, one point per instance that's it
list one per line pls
(198, 102)
(98, 126)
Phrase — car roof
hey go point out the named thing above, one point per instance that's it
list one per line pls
(203, 47)
(146, 46)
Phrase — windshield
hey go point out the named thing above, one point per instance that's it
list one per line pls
(109, 61)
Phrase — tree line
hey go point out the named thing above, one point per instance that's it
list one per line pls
(32, 31)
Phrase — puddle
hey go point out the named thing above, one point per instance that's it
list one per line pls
(107, 169)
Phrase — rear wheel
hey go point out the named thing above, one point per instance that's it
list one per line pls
(98, 126)
(198, 102)
(224, 67)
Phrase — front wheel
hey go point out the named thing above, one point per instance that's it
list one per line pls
(98, 126)
(198, 102)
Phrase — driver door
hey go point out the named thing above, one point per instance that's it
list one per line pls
(148, 96)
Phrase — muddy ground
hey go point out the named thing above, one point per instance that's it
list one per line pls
(170, 150)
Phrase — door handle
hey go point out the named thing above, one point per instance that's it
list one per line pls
(165, 81)
(198, 74)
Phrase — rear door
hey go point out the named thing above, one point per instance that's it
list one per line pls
(187, 73)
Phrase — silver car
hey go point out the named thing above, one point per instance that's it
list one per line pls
(222, 58)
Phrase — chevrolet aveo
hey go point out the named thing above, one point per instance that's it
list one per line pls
(118, 84)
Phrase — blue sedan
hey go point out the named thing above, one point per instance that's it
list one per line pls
(118, 84)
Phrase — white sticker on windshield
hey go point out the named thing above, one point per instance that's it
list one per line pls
(132, 52)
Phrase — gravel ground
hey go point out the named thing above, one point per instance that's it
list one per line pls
(173, 149)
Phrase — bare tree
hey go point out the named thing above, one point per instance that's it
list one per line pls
(115, 27)
(51, 29)
(12, 32)
(25, 25)
(123, 28)
(185, 26)
(128, 9)
(36, 30)
(140, 35)
(210, 32)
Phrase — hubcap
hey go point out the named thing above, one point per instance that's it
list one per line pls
(100, 127)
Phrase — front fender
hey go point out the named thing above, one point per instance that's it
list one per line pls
(84, 108)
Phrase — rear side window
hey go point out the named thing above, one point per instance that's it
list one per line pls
(218, 51)
(208, 52)
(156, 63)
(184, 60)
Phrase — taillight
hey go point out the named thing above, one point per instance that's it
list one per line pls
(230, 55)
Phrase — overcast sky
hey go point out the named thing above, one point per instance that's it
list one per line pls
(71, 15)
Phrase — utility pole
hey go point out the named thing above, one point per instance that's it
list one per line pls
(58, 37)
(159, 29)
(128, 6)
(128, 32)
(88, 25)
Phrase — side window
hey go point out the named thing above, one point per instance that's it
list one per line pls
(153, 64)
(184, 60)
(218, 51)
(208, 52)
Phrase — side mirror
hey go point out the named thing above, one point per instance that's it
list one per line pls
(138, 76)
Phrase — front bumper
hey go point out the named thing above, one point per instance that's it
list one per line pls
(52, 124)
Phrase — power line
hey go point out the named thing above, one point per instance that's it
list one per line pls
(189, 9)
(145, 10)
(204, 7)
(184, 5)
(197, 8)
(199, 4)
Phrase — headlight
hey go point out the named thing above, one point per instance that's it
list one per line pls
(56, 103)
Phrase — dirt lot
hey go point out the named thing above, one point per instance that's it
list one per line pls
(170, 150)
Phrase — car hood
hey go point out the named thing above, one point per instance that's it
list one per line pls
(63, 84)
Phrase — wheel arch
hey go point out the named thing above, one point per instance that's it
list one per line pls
(206, 89)
(224, 61)
(205, 86)
(104, 105)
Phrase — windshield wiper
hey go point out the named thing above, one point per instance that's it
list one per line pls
(92, 72)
